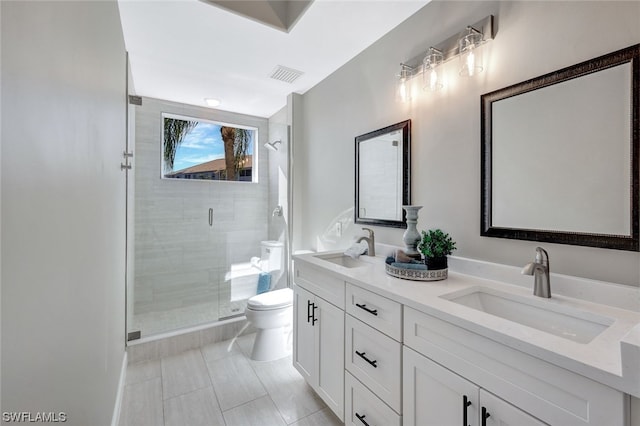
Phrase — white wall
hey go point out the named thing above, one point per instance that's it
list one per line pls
(0, 210)
(532, 38)
(63, 215)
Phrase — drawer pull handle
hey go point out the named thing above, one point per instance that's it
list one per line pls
(362, 355)
(309, 314)
(313, 312)
(485, 416)
(371, 311)
(465, 403)
(361, 418)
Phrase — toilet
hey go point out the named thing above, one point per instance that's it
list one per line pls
(271, 313)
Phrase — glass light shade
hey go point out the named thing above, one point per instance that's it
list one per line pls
(402, 85)
(470, 55)
(430, 79)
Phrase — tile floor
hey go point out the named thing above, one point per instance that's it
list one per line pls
(219, 385)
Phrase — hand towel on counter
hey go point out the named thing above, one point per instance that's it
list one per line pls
(357, 249)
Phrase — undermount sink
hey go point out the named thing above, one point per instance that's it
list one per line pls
(341, 260)
(563, 321)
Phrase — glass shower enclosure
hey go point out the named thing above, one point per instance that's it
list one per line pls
(208, 231)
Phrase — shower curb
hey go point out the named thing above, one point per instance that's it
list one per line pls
(173, 343)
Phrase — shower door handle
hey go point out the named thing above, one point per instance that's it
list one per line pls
(210, 217)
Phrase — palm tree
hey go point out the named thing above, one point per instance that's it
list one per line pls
(236, 147)
(174, 133)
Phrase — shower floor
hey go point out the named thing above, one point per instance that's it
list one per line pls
(228, 300)
(150, 323)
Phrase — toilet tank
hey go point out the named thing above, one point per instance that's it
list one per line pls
(271, 255)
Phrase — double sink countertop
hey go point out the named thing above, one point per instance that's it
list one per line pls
(598, 341)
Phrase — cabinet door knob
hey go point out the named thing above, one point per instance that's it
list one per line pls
(361, 418)
(465, 403)
(362, 355)
(364, 307)
(485, 416)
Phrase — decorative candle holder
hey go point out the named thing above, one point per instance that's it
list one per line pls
(411, 236)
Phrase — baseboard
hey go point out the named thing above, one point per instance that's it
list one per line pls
(115, 419)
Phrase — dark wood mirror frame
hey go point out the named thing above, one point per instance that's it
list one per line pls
(620, 242)
(405, 126)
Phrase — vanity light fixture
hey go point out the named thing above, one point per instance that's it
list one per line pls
(430, 80)
(463, 44)
(470, 57)
(403, 89)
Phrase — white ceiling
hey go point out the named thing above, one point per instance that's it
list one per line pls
(188, 50)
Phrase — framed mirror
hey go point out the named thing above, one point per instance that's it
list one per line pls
(383, 176)
(560, 155)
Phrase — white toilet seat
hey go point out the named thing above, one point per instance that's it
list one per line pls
(270, 300)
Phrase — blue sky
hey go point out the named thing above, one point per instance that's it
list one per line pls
(202, 144)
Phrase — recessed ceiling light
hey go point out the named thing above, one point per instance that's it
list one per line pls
(212, 102)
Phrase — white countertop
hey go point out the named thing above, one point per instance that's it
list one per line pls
(611, 358)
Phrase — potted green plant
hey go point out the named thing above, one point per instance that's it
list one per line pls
(435, 245)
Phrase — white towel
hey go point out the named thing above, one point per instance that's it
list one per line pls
(357, 249)
(256, 262)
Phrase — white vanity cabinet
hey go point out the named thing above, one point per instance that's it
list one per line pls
(378, 357)
(373, 359)
(318, 344)
(497, 412)
(436, 396)
(505, 378)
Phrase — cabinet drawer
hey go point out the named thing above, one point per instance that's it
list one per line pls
(320, 283)
(377, 311)
(363, 407)
(375, 360)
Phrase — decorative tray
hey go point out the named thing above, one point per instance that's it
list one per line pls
(417, 274)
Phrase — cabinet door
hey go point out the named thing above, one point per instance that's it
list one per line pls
(497, 412)
(330, 352)
(304, 349)
(434, 396)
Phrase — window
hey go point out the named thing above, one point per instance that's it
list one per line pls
(206, 150)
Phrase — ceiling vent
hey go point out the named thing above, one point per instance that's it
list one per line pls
(288, 75)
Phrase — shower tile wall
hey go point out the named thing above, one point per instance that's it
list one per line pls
(180, 261)
(278, 175)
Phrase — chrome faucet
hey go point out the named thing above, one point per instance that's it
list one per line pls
(540, 270)
(371, 242)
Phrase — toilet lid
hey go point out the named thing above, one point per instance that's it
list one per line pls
(271, 300)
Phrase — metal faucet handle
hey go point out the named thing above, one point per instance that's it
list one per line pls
(369, 230)
(542, 256)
